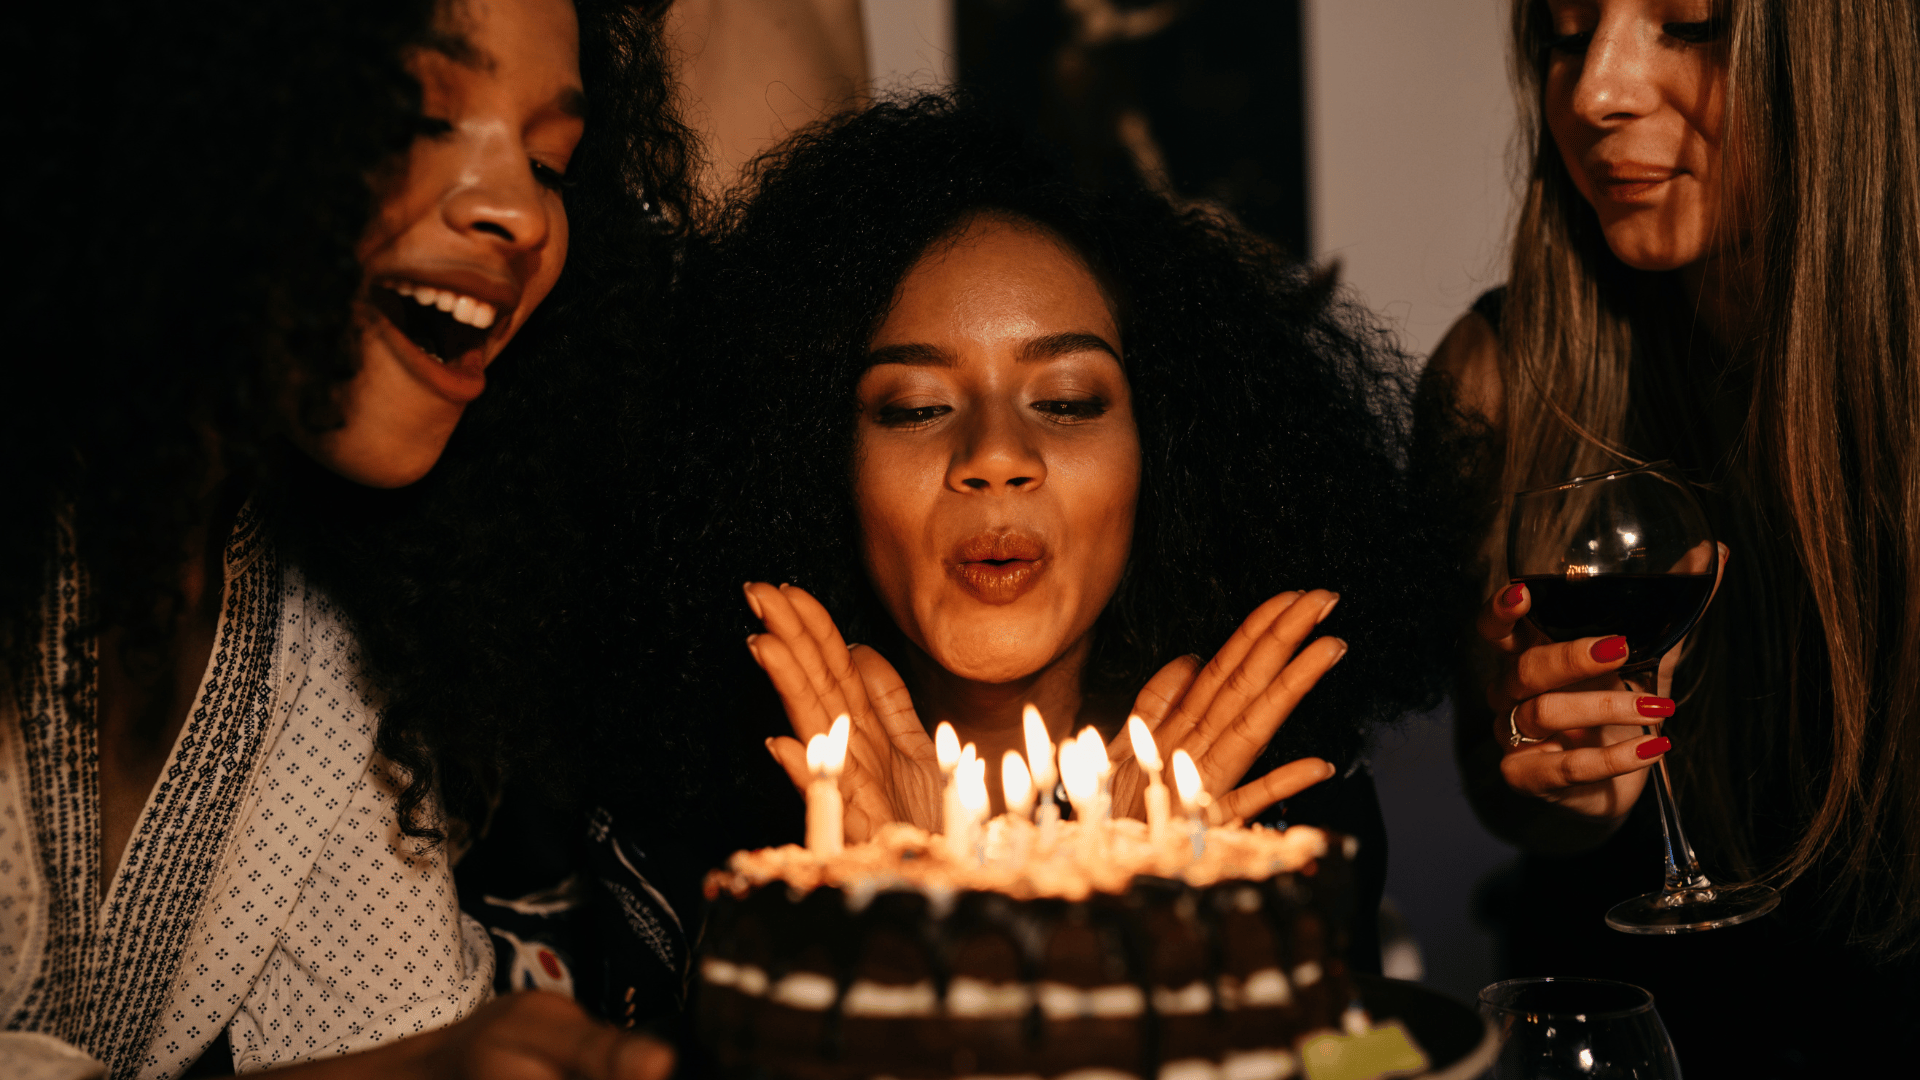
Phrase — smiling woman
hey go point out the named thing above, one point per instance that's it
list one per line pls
(1717, 264)
(470, 237)
(198, 768)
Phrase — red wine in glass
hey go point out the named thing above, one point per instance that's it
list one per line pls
(1630, 553)
(1653, 611)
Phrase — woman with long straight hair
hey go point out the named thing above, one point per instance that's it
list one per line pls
(1717, 264)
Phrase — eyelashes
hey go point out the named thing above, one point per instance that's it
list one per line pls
(895, 416)
(1073, 409)
(1061, 411)
(1690, 33)
(549, 177)
(1570, 44)
(433, 127)
(1697, 33)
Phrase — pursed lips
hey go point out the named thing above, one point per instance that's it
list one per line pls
(998, 568)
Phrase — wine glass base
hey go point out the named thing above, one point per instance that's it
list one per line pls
(1689, 911)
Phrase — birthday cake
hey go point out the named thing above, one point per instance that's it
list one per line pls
(1091, 952)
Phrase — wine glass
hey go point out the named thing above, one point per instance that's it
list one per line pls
(1589, 1029)
(1630, 553)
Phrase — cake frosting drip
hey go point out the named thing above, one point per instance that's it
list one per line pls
(1020, 860)
(893, 959)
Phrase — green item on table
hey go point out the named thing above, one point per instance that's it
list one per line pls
(1385, 1051)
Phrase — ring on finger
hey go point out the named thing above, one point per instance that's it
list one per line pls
(1514, 738)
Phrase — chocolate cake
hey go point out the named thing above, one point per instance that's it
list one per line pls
(1050, 953)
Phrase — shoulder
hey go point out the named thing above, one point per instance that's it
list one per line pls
(1466, 365)
(321, 664)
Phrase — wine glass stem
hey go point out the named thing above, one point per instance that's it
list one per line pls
(1683, 868)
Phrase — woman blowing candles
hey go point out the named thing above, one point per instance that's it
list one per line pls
(1029, 445)
(1718, 264)
(344, 215)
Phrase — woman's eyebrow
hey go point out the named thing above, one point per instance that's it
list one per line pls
(913, 353)
(1063, 344)
(572, 102)
(454, 46)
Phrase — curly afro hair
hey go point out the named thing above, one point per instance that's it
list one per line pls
(1273, 420)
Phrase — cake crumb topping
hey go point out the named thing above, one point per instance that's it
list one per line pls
(1065, 861)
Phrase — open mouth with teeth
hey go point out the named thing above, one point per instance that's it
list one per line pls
(446, 325)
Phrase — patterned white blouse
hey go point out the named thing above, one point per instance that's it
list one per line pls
(266, 891)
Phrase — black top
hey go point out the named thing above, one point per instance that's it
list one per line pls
(1781, 996)
(574, 905)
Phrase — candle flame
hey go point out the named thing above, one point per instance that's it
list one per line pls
(837, 737)
(1016, 783)
(1039, 748)
(972, 779)
(1143, 747)
(1080, 773)
(1094, 748)
(946, 744)
(1186, 780)
(827, 754)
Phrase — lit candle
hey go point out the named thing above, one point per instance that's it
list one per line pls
(1194, 799)
(1093, 749)
(1016, 783)
(1081, 778)
(973, 800)
(1080, 774)
(1149, 757)
(946, 748)
(826, 757)
(970, 804)
(1040, 753)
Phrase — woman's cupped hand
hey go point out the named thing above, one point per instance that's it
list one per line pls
(892, 772)
(1223, 711)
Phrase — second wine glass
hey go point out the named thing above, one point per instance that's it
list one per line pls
(1630, 553)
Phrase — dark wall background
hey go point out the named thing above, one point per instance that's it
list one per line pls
(1202, 98)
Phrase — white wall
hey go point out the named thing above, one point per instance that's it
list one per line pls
(1409, 120)
(909, 43)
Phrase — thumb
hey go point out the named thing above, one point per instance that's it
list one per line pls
(1160, 699)
(792, 757)
(1503, 610)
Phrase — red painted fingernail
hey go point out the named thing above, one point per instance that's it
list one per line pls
(1653, 748)
(1654, 706)
(1609, 649)
(1515, 593)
